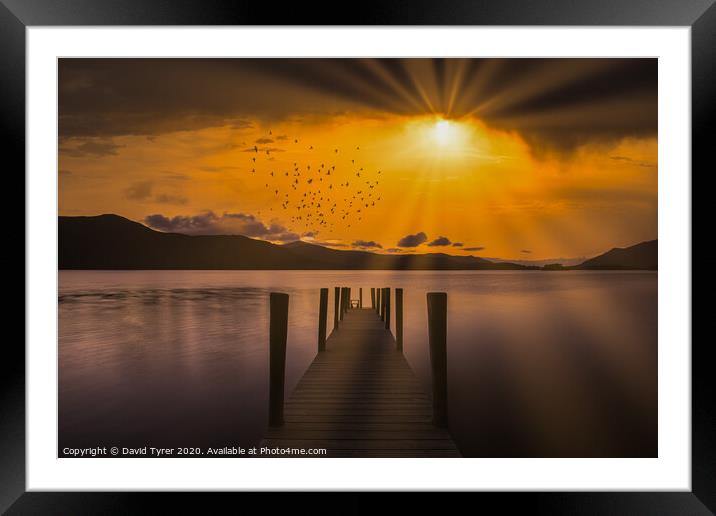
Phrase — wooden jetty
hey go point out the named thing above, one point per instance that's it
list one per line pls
(359, 397)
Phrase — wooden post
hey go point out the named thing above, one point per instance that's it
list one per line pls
(349, 299)
(382, 304)
(343, 301)
(387, 309)
(337, 300)
(437, 334)
(322, 319)
(372, 298)
(377, 301)
(399, 318)
(278, 332)
(360, 297)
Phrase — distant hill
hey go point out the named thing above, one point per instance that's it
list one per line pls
(643, 256)
(113, 242)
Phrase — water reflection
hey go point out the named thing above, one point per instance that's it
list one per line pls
(539, 364)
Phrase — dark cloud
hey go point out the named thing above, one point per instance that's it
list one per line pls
(560, 104)
(554, 103)
(193, 225)
(457, 244)
(177, 177)
(144, 191)
(264, 140)
(645, 164)
(95, 149)
(440, 241)
(412, 240)
(282, 137)
(139, 191)
(393, 250)
(367, 244)
(218, 169)
(308, 234)
(251, 226)
(474, 248)
(597, 195)
(171, 199)
(208, 223)
(526, 251)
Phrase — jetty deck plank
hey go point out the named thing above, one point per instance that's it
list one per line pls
(359, 398)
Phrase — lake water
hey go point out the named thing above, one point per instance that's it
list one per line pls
(540, 364)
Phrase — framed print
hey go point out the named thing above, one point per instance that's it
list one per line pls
(437, 249)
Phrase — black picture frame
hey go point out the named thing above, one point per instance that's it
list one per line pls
(700, 15)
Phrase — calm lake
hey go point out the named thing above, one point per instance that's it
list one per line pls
(540, 364)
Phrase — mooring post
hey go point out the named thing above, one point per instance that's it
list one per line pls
(372, 298)
(437, 336)
(360, 297)
(377, 301)
(322, 319)
(337, 300)
(387, 308)
(278, 332)
(348, 307)
(343, 302)
(382, 304)
(399, 318)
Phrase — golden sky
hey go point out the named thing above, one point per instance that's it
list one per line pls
(516, 159)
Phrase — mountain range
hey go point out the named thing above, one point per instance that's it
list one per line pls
(114, 242)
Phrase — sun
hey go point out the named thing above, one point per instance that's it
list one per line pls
(440, 139)
(443, 132)
(450, 137)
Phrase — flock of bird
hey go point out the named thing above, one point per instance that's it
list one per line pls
(317, 195)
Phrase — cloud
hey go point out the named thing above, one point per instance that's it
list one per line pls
(282, 137)
(91, 148)
(177, 176)
(474, 248)
(251, 226)
(457, 244)
(526, 251)
(264, 140)
(308, 234)
(219, 169)
(394, 250)
(194, 225)
(139, 191)
(367, 244)
(412, 240)
(170, 199)
(644, 164)
(209, 223)
(144, 190)
(241, 124)
(553, 103)
(440, 241)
